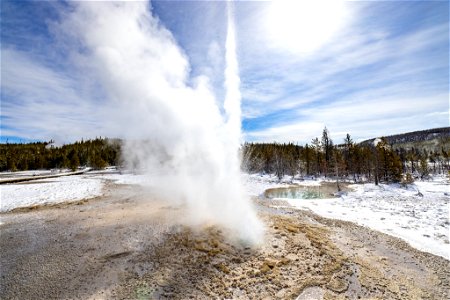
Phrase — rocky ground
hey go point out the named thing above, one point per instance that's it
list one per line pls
(130, 245)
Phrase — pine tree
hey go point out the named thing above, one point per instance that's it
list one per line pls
(307, 157)
(327, 149)
(424, 170)
(74, 161)
(318, 161)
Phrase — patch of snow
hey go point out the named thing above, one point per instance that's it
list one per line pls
(128, 178)
(256, 184)
(49, 191)
(376, 141)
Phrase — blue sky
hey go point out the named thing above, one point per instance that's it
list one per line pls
(368, 68)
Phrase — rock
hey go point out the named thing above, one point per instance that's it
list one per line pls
(271, 262)
(283, 261)
(264, 268)
(236, 260)
(162, 282)
(337, 285)
(223, 268)
(292, 257)
(314, 292)
(281, 294)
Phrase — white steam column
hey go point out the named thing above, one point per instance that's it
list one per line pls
(232, 103)
(244, 219)
(174, 133)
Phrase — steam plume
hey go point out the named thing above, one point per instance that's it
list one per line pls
(174, 132)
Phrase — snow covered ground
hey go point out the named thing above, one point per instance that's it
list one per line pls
(32, 173)
(25, 173)
(59, 189)
(49, 191)
(127, 178)
(421, 219)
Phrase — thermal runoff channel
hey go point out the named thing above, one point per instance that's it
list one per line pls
(178, 134)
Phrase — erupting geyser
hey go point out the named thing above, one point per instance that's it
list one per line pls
(174, 131)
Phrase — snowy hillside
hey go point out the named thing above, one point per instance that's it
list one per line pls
(431, 139)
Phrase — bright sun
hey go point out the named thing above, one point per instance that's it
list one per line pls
(303, 26)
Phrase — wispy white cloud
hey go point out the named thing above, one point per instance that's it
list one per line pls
(40, 102)
(366, 119)
(394, 58)
(367, 81)
(385, 72)
(299, 132)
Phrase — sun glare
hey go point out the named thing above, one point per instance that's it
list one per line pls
(303, 26)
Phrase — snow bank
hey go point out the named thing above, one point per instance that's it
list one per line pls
(20, 174)
(32, 173)
(47, 191)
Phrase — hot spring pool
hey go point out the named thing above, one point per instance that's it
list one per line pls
(323, 191)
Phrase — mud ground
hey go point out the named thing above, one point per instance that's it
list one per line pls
(129, 244)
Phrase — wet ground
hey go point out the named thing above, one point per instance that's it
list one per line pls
(129, 244)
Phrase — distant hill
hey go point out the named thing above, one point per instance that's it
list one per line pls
(430, 140)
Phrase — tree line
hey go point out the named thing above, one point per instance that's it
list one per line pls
(97, 153)
(376, 162)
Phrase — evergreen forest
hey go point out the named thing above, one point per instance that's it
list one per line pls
(97, 154)
(374, 161)
(377, 161)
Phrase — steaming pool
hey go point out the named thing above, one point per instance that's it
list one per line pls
(324, 191)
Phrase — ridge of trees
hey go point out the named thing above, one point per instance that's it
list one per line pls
(377, 161)
(442, 133)
(98, 153)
